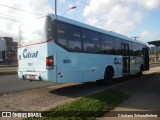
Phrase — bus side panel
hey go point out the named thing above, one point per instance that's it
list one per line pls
(92, 67)
(69, 67)
(115, 62)
(139, 62)
(83, 67)
(78, 67)
(135, 63)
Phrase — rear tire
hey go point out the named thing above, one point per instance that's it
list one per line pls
(140, 71)
(99, 82)
(108, 77)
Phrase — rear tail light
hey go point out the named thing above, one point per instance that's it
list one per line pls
(49, 63)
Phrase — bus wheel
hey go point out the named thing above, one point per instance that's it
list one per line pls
(140, 71)
(99, 82)
(108, 77)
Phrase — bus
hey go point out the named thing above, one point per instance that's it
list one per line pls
(61, 50)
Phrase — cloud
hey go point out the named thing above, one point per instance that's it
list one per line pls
(11, 28)
(149, 4)
(121, 16)
(147, 34)
(62, 1)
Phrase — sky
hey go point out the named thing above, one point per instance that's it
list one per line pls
(128, 17)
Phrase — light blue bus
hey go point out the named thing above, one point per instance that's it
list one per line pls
(61, 50)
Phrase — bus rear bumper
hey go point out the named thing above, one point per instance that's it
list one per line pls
(47, 75)
(30, 76)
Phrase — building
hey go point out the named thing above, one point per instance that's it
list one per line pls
(155, 51)
(8, 50)
(3, 49)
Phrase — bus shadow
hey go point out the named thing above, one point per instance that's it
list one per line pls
(79, 90)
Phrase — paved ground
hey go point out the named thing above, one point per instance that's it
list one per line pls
(11, 83)
(145, 95)
(154, 65)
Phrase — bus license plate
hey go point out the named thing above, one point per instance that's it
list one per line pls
(32, 77)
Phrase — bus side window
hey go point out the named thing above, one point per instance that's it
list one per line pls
(69, 37)
(91, 41)
(117, 45)
(131, 49)
(135, 48)
(62, 34)
(107, 44)
(140, 47)
(74, 38)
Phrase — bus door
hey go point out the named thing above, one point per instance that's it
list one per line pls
(146, 58)
(126, 58)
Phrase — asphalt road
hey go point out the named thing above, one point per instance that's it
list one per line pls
(11, 83)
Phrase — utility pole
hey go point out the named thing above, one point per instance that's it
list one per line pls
(135, 37)
(56, 8)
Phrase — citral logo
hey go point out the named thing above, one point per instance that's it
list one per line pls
(27, 54)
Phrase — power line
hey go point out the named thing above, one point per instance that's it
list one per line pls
(81, 3)
(1, 17)
(19, 9)
(9, 15)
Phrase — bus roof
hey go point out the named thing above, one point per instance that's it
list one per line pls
(67, 20)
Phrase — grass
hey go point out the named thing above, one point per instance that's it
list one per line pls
(8, 72)
(158, 62)
(89, 107)
(8, 65)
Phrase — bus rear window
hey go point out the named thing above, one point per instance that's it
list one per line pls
(36, 31)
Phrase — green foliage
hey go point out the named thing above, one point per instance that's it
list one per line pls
(87, 108)
(8, 72)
